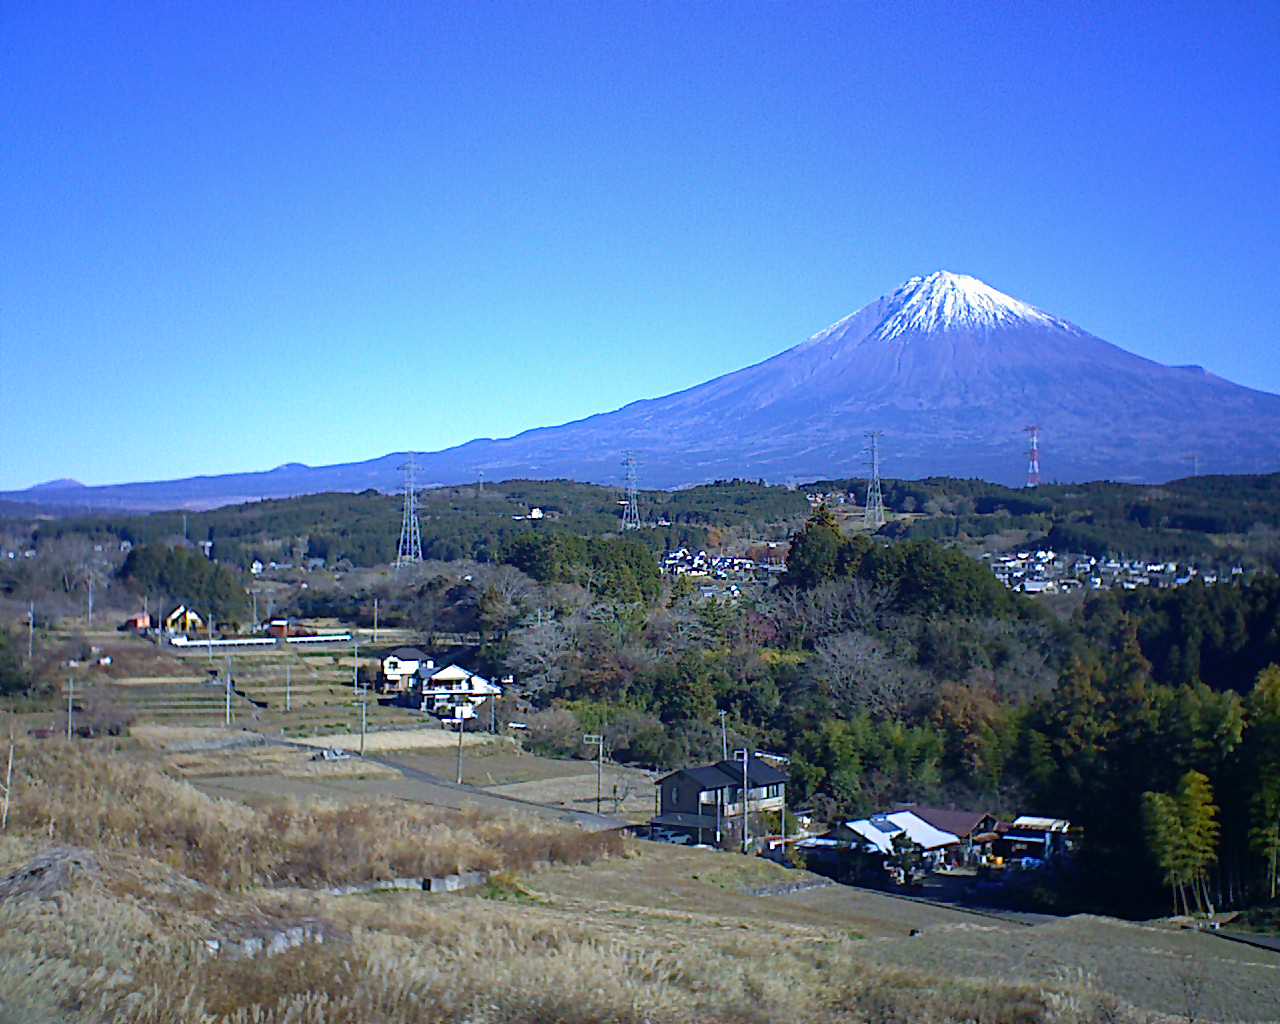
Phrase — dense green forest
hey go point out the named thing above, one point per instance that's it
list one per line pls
(906, 672)
(456, 522)
(1211, 519)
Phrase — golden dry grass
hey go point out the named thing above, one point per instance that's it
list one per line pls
(89, 797)
(399, 739)
(128, 944)
(121, 947)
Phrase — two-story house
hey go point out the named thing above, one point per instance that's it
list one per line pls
(706, 803)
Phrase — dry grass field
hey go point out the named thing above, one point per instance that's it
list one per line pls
(504, 769)
(575, 928)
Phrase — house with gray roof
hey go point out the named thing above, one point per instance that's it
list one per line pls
(706, 804)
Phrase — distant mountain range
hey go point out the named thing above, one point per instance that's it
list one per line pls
(948, 368)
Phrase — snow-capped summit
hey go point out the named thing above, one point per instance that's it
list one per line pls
(947, 368)
(945, 301)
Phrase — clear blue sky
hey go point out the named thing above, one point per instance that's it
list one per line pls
(239, 235)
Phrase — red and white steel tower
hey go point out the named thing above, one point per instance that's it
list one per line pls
(1033, 457)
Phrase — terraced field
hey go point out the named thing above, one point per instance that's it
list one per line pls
(290, 692)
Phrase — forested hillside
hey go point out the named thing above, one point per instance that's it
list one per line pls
(1211, 519)
(457, 522)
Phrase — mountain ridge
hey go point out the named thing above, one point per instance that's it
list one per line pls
(949, 368)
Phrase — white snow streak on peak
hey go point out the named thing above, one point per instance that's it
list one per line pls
(945, 301)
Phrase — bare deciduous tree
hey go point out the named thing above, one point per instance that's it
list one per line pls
(863, 675)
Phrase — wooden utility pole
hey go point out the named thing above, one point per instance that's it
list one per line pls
(355, 662)
(598, 740)
(228, 691)
(31, 632)
(71, 692)
(288, 686)
(8, 783)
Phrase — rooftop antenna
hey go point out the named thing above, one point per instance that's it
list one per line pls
(873, 514)
(1033, 456)
(630, 504)
(409, 551)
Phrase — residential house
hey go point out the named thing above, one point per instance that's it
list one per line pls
(975, 830)
(399, 667)
(183, 620)
(1039, 839)
(705, 803)
(455, 692)
(877, 833)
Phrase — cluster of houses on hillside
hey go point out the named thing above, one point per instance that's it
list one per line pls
(450, 692)
(741, 805)
(915, 838)
(683, 562)
(1051, 572)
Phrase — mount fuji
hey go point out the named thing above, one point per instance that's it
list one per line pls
(950, 369)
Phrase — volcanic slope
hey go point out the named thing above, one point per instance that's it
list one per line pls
(949, 368)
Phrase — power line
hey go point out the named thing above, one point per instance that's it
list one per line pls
(630, 503)
(1033, 455)
(873, 514)
(409, 550)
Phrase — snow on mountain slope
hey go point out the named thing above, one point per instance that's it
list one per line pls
(945, 301)
(948, 367)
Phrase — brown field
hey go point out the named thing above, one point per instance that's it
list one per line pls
(620, 932)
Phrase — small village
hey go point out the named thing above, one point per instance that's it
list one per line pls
(908, 846)
(1046, 571)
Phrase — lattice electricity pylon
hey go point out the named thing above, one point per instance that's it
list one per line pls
(1033, 456)
(873, 514)
(409, 550)
(630, 503)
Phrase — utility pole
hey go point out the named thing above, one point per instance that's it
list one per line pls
(288, 686)
(460, 720)
(364, 718)
(8, 783)
(227, 681)
(254, 594)
(208, 630)
(71, 692)
(724, 739)
(355, 662)
(90, 580)
(31, 632)
(746, 825)
(375, 620)
(598, 740)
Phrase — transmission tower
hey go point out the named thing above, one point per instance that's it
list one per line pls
(410, 549)
(873, 514)
(630, 503)
(1033, 456)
